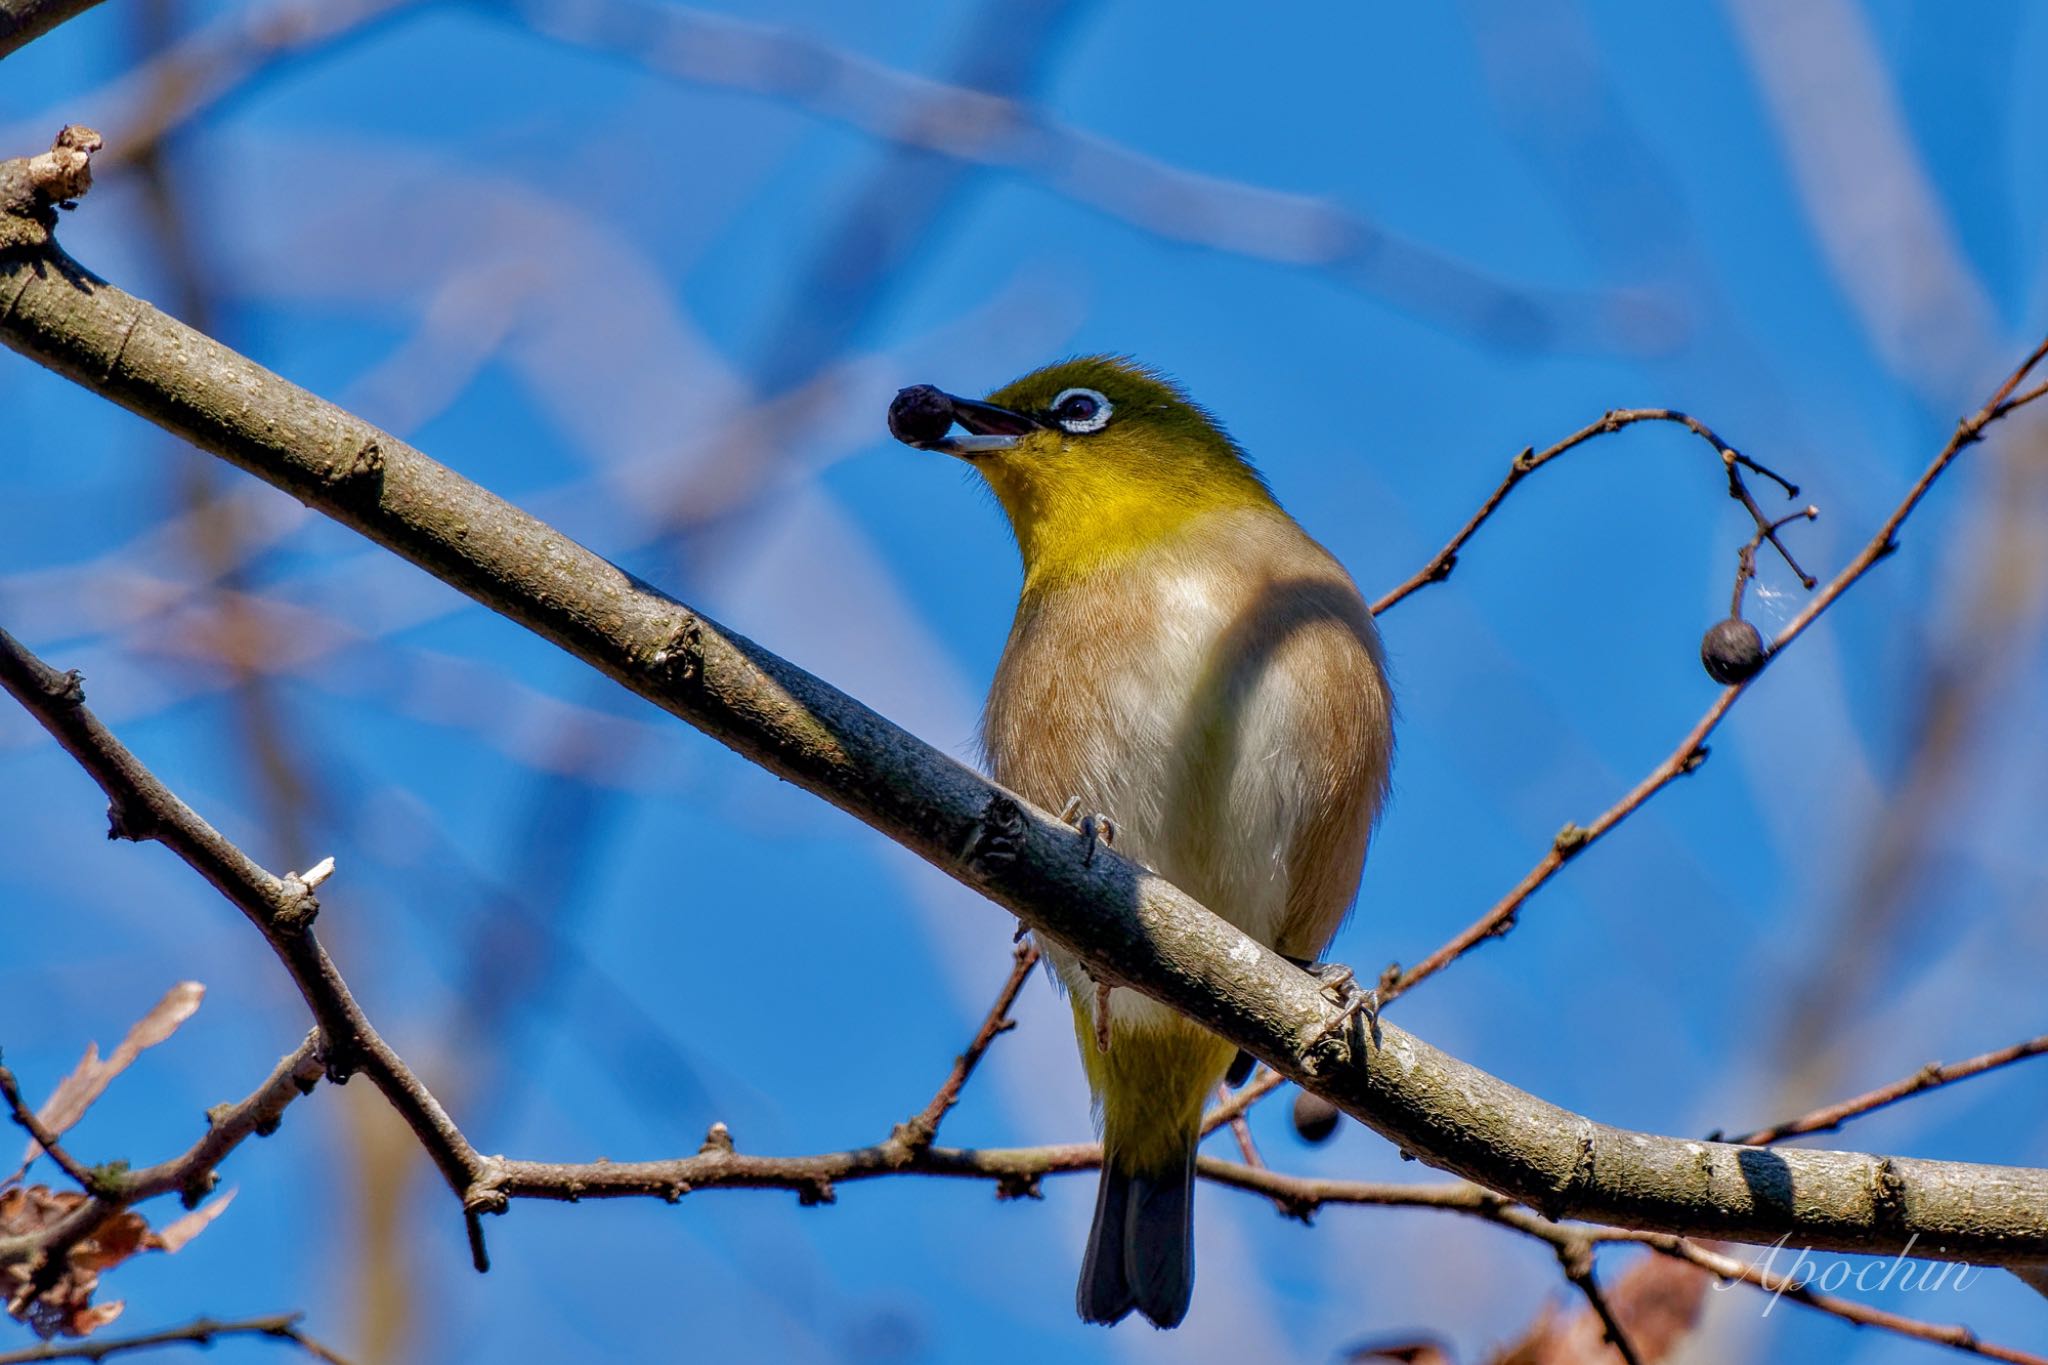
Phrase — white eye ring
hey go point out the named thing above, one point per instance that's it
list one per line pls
(1081, 426)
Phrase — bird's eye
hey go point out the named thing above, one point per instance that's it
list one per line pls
(1081, 410)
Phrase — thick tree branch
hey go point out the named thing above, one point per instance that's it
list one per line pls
(1129, 926)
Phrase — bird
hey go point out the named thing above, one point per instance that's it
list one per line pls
(1202, 684)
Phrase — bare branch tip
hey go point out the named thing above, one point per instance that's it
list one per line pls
(479, 1254)
(64, 173)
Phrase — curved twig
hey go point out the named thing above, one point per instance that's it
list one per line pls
(1692, 751)
(1930, 1077)
(1530, 460)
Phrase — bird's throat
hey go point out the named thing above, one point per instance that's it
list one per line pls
(1078, 525)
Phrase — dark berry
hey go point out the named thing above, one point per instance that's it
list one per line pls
(1732, 651)
(920, 414)
(1315, 1118)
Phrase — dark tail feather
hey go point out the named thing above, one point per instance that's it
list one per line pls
(1159, 1243)
(1141, 1251)
(1105, 1292)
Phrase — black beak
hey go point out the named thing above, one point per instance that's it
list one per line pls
(922, 416)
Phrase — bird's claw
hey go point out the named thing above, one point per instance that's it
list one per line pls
(1340, 984)
(1102, 990)
(1094, 828)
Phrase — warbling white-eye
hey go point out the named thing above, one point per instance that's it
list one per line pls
(1188, 663)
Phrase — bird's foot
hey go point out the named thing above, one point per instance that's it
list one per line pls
(1102, 990)
(1340, 984)
(1094, 827)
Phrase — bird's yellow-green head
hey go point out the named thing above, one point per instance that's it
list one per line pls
(1093, 459)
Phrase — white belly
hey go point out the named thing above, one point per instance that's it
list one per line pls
(1216, 819)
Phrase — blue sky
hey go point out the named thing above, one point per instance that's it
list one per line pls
(573, 277)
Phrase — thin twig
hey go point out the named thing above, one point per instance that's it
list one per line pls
(199, 1332)
(44, 1137)
(1691, 750)
(2020, 400)
(1242, 1131)
(1530, 460)
(1952, 1335)
(190, 1174)
(1262, 1083)
(1576, 1260)
(922, 1129)
(1745, 558)
(1930, 1077)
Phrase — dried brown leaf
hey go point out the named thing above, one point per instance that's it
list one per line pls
(1657, 1304)
(64, 1306)
(113, 1242)
(91, 1319)
(173, 1235)
(71, 1098)
(180, 1003)
(1542, 1344)
(90, 1078)
(31, 1208)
